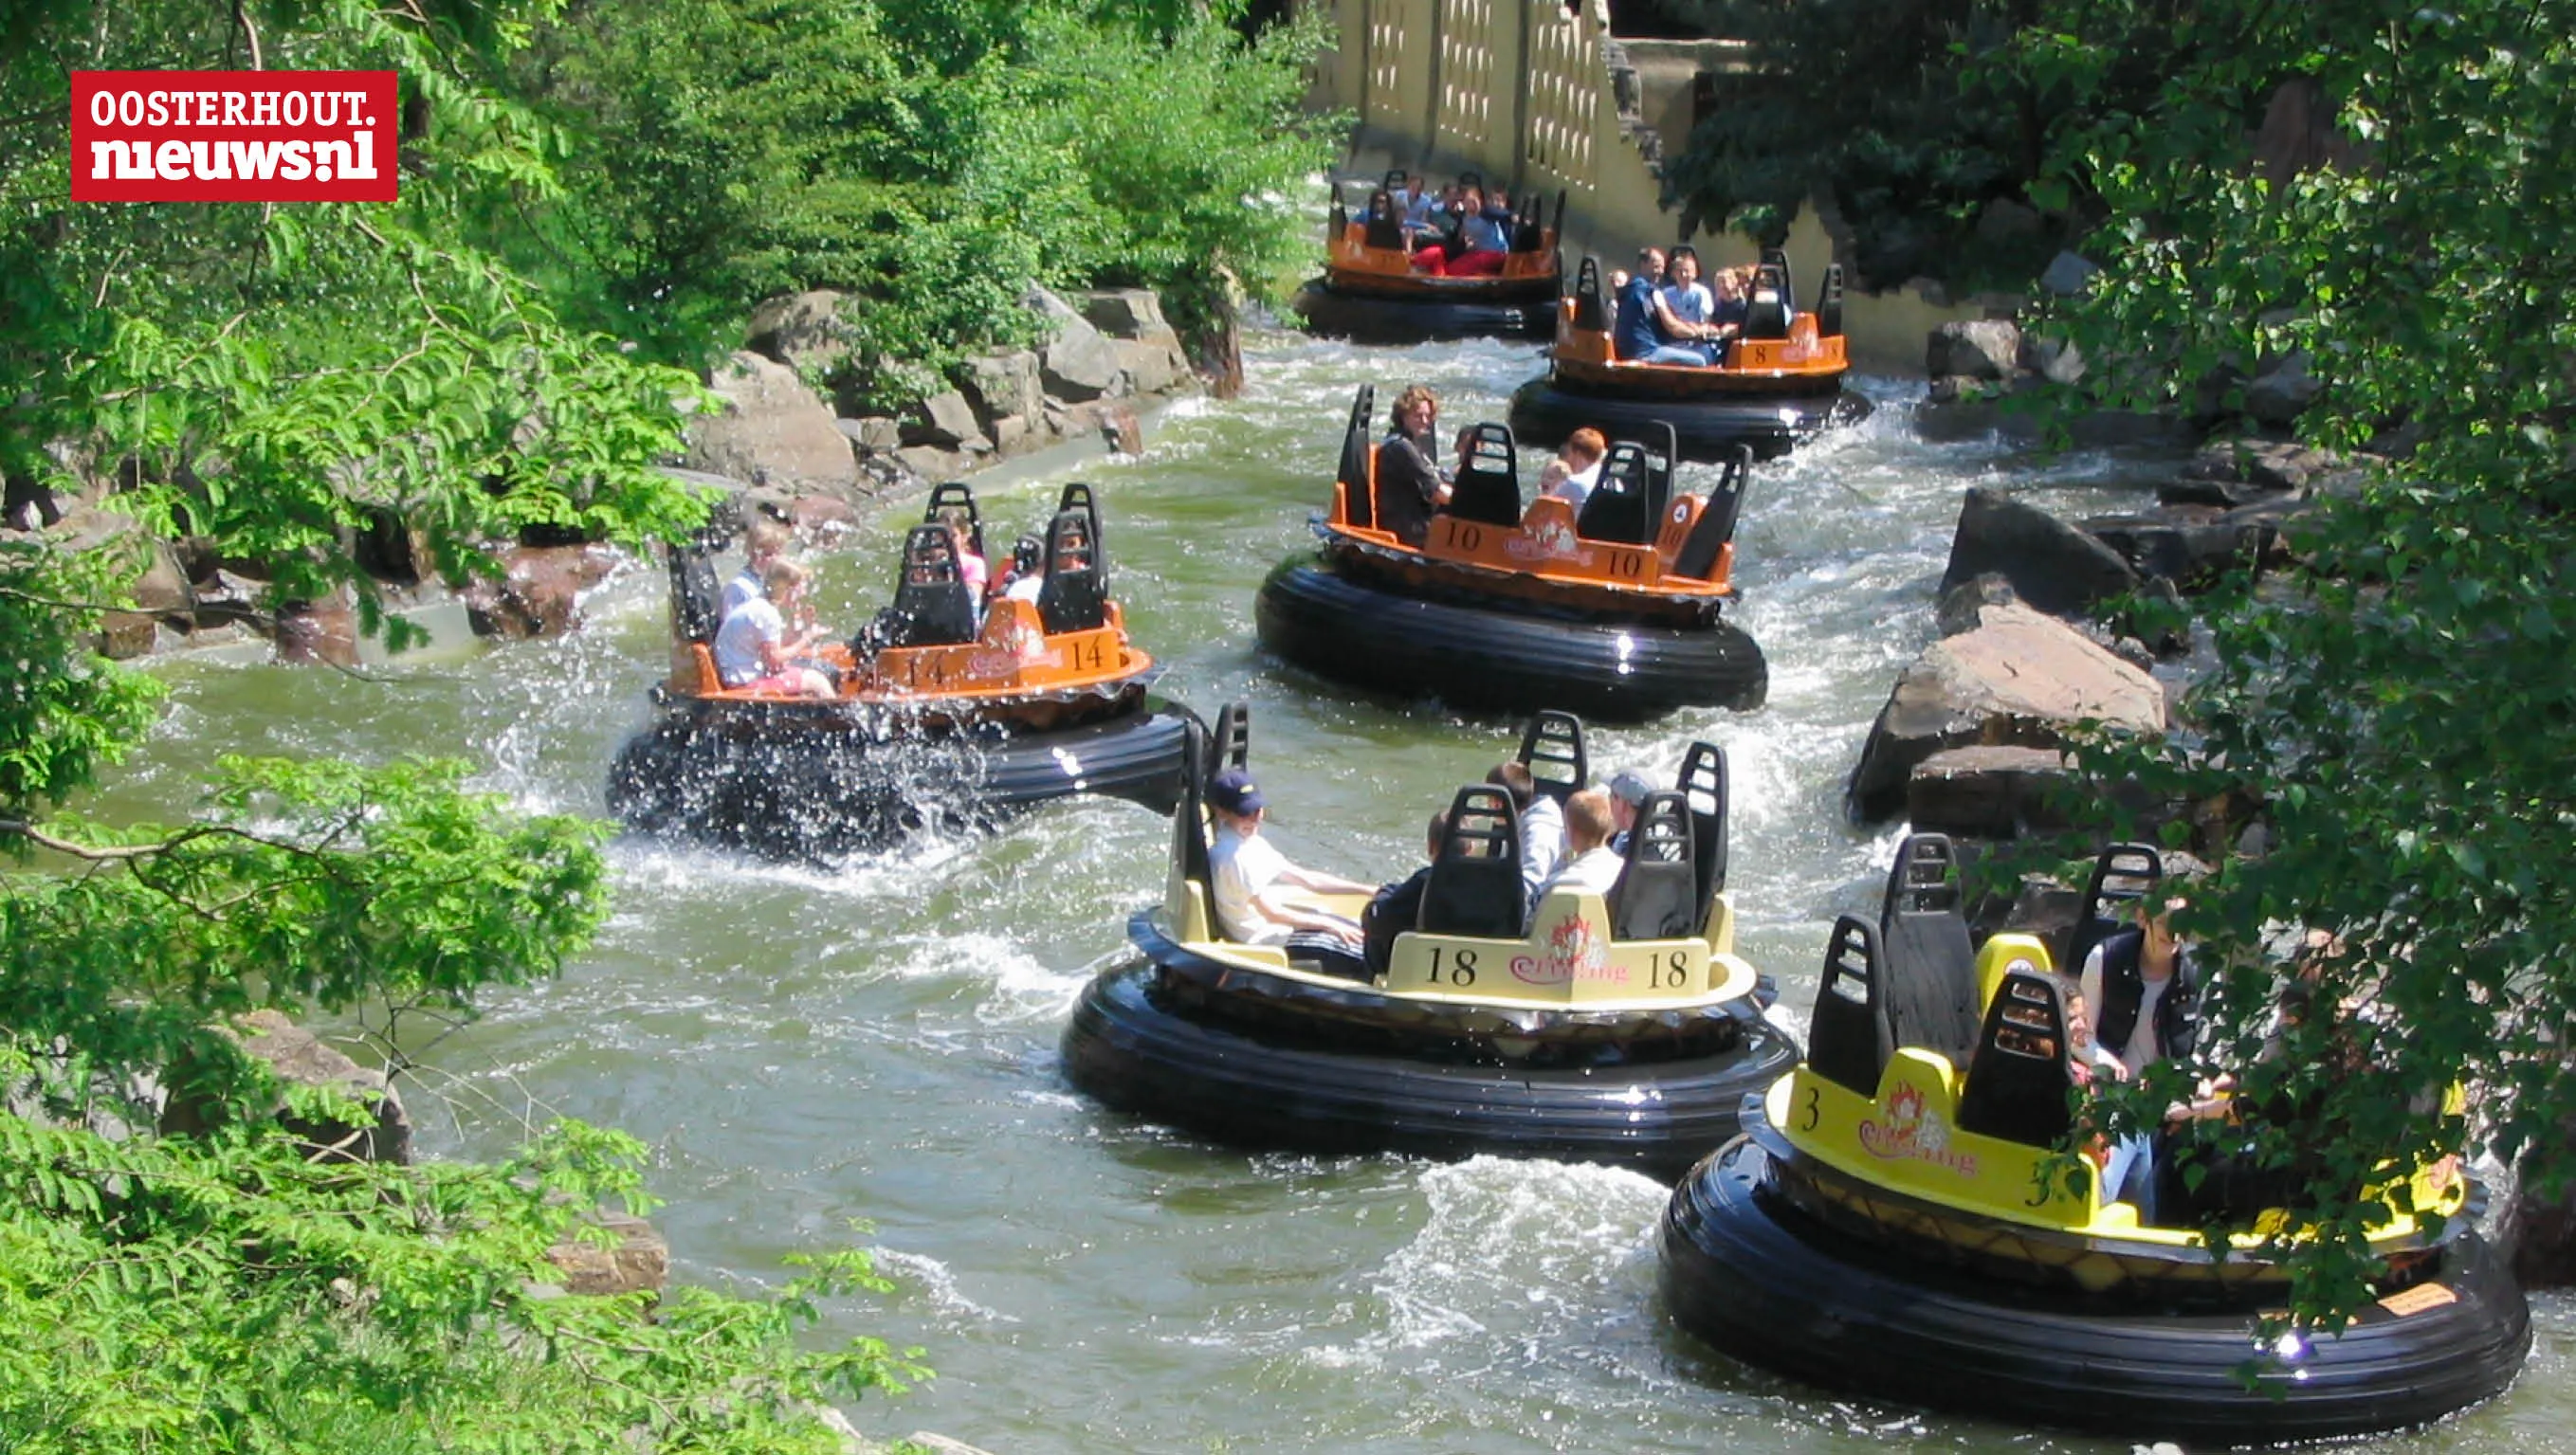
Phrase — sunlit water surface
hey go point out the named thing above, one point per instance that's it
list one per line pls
(806, 1050)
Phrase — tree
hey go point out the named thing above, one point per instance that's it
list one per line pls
(270, 381)
(2402, 711)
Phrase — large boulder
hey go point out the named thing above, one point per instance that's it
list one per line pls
(801, 330)
(2052, 565)
(2283, 391)
(1150, 368)
(2189, 545)
(772, 430)
(299, 1057)
(324, 631)
(946, 420)
(2068, 275)
(1077, 364)
(1978, 349)
(539, 594)
(1003, 385)
(633, 1258)
(2022, 678)
(1130, 313)
(2243, 471)
(1987, 792)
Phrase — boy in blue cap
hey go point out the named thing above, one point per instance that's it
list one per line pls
(1250, 876)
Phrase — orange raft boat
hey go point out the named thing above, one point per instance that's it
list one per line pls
(1370, 291)
(946, 712)
(1780, 380)
(1612, 613)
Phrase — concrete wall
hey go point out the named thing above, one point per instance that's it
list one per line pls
(1519, 90)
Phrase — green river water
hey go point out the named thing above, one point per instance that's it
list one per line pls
(802, 1049)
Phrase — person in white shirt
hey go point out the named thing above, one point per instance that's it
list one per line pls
(756, 649)
(1542, 828)
(1252, 877)
(1628, 790)
(1592, 866)
(763, 541)
(1582, 454)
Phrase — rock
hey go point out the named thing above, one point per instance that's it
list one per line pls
(1004, 384)
(1010, 432)
(2055, 359)
(2279, 394)
(2044, 906)
(801, 330)
(1124, 432)
(26, 503)
(2022, 678)
(298, 1056)
(2242, 471)
(1128, 313)
(540, 593)
(1149, 367)
(323, 631)
(1987, 792)
(1962, 607)
(638, 1261)
(125, 635)
(930, 464)
(1077, 363)
(2002, 220)
(821, 516)
(2068, 275)
(873, 432)
(1978, 349)
(772, 430)
(2052, 565)
(946, 420)
(2189, 545)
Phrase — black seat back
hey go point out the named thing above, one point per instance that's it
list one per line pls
(1829, 302)
(1766, 314)
(1658, 887)
(1488, 486)
(1475, 884)
(1552, 749)
(1359, 454)
(1528, 223)
(1775, 258)
(1716, 524)
(1189, 824)
(1077, 495)
(2123, 875)
(1627, 502)
(932, 606)
(697, 602)
(1931, 984)
(1591, 315)
(1393, 180)
(2017, 1081)
(1232, 745)
(1075, 594)
(1703, 790)
(958, 493)
(1338, 222)
(1848, 1041)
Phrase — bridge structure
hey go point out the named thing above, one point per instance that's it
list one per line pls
(1540, 95)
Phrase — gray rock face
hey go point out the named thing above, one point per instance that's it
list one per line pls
(638, 1260)
(771, 430)
(2279, 394)
(945, 420)
(2068, 275)
(297, 1055)
(2003, 219)
(1077, 363)
(2054, 566)
(1962, 608)
(2188, 545)
(2021, 679)
(2055, 359)
(1004, 384)
(1128, 313)
(800, 330)
(539, 594)
(1980, 349)
(1150, 368)
(874, 432)
(2241, 472)
(1986, 792)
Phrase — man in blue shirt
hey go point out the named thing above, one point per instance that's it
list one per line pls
(1633, 335)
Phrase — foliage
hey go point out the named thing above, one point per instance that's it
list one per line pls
(270, 381)
(2401, 707)
(1886, 109)
(931, 161)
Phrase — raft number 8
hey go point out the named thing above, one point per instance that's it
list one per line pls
(1462, 969)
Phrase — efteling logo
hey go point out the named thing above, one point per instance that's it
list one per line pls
(1551, 541)
(1912, 1132)
(1573, 953)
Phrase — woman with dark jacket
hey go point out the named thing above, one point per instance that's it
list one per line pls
(1409, 485)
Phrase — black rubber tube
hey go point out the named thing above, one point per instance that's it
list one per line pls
(1329, 314)
(1135, 1056)
(817, 794)
(1770, 1287)
(1543, 413)
(1493, 659)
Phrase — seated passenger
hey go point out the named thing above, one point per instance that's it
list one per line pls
(756, 649)
(1421, 205)
(2140, 981)
(971, 567)
(1683, 309)
(1731, 292)
(1397, 907)
(2127, 1165)
(1409, 486)
(1628, 790)
(1633, 335)
(1027, 574)
(763, 541)
(1483, 241)
(1250, 876)
(1582, 454)
(1593, 866)
(1542, 828)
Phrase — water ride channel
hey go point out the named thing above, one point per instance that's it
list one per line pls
(803, 1045)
